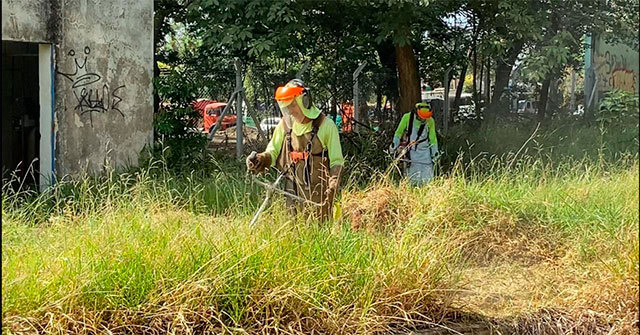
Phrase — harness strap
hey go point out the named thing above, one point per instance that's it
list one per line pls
(314, 131)
(297, 156)
(420, 131)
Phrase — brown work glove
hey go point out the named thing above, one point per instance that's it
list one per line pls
(334, 180)
(257, 163)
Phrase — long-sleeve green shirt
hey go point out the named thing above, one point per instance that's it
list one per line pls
(404, 124)
(327, 134)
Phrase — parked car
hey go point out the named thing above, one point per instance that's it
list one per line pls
(270, 123)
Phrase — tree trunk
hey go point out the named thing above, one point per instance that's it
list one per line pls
(408, 79)
(546, 84)
(481, 90)
(463, 74)
(379, 103)
(503, 73)
(475, 76)
(387, 55)
(488, 83)
(334, 105)
(475, 63)
(544, 97)
(456, 100)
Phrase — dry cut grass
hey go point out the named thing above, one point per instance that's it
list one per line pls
(526, 251)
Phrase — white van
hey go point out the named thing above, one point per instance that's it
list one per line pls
(527, 106)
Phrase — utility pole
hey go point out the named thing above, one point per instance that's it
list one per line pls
(239, 121)
(356, 114)
(446, 100)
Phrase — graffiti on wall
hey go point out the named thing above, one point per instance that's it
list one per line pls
(624, 79)
(616, 67)
(90, 95)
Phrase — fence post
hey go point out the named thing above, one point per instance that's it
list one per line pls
(445, 125)
(572, 104)
(224, 112)
(254, 116)
(302, 70)
(239, 121)
(356, 114)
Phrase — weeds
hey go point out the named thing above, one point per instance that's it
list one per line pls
(537, 245)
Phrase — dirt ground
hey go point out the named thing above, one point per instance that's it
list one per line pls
(225, 140)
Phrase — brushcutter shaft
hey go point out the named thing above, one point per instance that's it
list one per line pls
(270, 189)
(287, 194)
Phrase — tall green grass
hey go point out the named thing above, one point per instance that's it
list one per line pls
(151, 248)
(130, 253)
(547, 143)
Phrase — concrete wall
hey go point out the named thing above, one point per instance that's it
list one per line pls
(103, 83)
(103, 71)
(616, 66)
(609, 66)
(26, 20)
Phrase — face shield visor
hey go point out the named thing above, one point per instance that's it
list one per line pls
(284, 96)
(284, 111)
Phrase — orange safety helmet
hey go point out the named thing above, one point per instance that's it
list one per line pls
(424, 110)
(295, 89)
(287, 93)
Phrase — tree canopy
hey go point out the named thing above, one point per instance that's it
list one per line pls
(401, 41)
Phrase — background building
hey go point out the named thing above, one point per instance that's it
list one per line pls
(77, 88)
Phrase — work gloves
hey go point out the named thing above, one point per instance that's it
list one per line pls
(392, 148)
(396, 143)
(257, 163)
(435, 153)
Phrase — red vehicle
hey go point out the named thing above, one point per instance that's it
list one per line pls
(210, 111)
(211, 114)
(347, 117)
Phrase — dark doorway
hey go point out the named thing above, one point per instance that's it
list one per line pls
(20, 113)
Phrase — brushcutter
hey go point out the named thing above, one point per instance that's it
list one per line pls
(273, 188)
(400, 156)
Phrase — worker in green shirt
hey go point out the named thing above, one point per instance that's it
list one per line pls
(417, 131)
(306, 145)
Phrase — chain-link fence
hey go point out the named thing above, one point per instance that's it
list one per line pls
(208, 95)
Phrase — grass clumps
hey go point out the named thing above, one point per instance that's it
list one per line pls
(163, 268)
(518, 246)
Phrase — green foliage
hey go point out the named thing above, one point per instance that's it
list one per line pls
(366, 154)
(467, 87)
(618, 107)
(177, 139)
(550, 57)
(252, 29)
(192, 72)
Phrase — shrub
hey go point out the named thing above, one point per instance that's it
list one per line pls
(617, 107)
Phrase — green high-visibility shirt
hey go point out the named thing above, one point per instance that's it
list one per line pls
(404, 124)
(327, 134)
